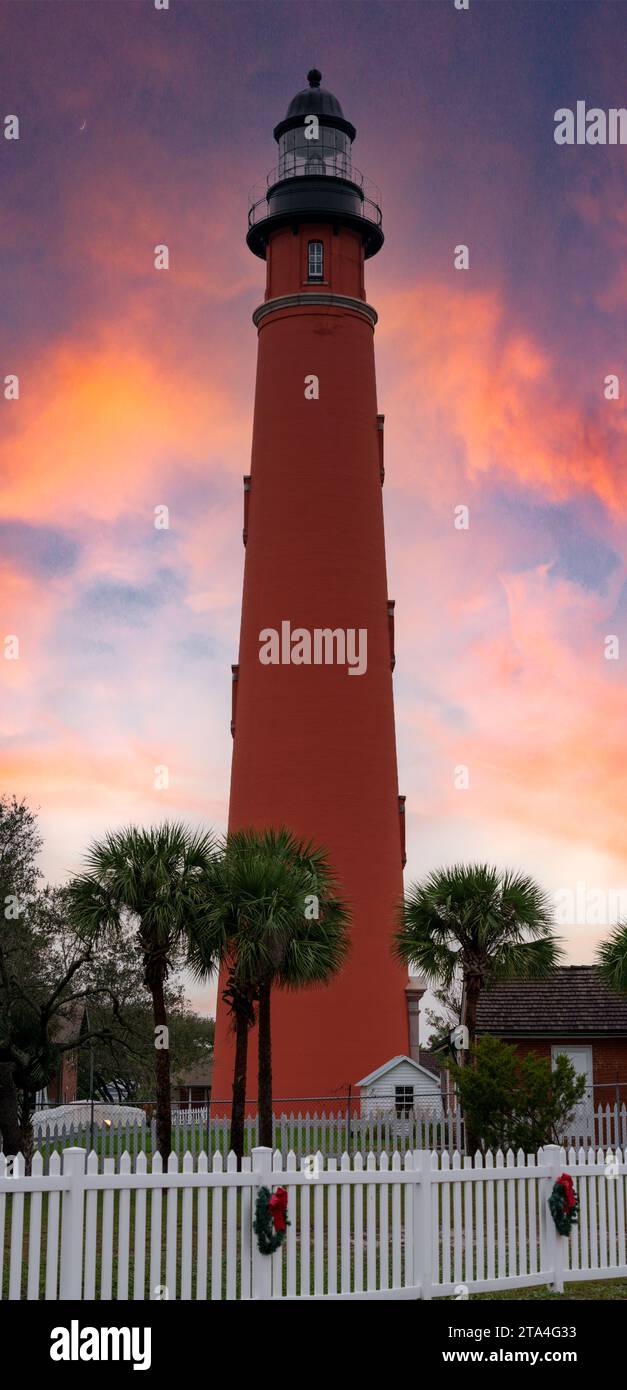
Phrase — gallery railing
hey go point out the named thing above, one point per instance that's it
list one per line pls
(336, 167)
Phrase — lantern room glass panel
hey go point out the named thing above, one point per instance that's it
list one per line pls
(329, 153)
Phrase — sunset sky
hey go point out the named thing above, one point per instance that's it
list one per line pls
(140, 127)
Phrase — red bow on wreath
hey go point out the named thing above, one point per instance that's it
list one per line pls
(570, 1199)
(278, 1207)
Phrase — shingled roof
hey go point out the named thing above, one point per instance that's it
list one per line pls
(574, 1001)
(430, 1061)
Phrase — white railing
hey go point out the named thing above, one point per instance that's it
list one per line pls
(411, 1226)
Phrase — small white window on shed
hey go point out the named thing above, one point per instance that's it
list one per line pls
(404, 1099)
(315, 260)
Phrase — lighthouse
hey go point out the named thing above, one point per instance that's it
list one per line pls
(312, 707)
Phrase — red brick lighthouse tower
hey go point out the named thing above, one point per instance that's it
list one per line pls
(313, 716)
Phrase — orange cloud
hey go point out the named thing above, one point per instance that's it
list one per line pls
(463, 378)
(545, 720)
(72, 779)
(96, 423)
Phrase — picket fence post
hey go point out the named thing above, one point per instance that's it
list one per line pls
(261, 1264)
(422, 1222)
(552, 1245)
(71, 1285)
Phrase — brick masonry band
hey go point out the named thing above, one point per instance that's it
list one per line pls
(337, 301)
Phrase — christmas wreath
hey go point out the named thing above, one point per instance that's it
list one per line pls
(270, 1223)
(563, 1204)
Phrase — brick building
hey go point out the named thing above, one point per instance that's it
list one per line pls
(575, 1013)
(192, 1088)
(66, 1027)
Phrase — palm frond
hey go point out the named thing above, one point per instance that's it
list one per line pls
(486, 922)
(254, 914)
(157, 875)
(612, 958)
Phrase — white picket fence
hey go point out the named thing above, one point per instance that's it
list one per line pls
(302, 1134)
(334, 1133)
(604, 1126)
(413, 1226)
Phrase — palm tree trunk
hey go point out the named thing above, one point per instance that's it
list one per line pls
(9, 1119)
(238, 1107)
(162, 1066)
(472, 990)
(265, 1066)
(27, 1138)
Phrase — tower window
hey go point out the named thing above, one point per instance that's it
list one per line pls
(315, 260)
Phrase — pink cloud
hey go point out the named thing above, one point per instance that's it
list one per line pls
(479, 396)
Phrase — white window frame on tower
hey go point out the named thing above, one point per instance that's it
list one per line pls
(315, 260)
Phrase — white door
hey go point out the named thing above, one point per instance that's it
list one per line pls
(581, 1122)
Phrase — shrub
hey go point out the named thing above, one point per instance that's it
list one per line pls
(516, 1102)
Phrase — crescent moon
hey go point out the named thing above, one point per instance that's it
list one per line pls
(82, 127)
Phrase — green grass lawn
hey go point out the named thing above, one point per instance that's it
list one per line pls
(594, 1289)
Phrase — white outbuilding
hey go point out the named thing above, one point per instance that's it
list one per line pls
(401, 1087)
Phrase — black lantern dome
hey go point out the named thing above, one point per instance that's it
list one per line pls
(314, 100)
(315, 177)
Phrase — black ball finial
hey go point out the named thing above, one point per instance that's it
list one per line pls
(314, 77)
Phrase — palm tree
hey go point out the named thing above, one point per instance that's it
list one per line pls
(234, 889)
(274, 920)
(479, 922)
(157, 878)
(612, 958)
(306, 940)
